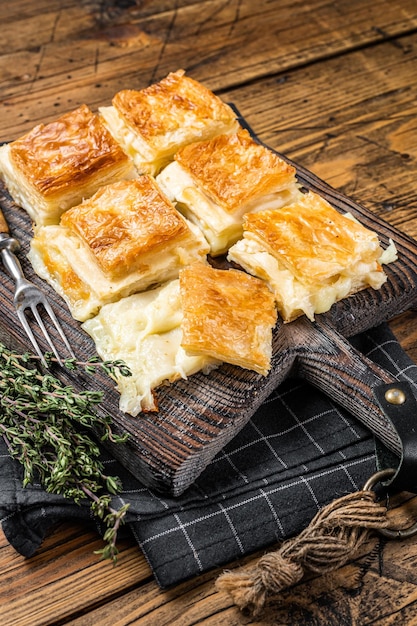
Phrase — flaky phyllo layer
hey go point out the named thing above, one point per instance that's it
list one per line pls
(310, 255)
(126, 238)
(56, 165)
(153, 123)
(216, 182)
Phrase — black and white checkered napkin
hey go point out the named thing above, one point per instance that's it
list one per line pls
(297, 453)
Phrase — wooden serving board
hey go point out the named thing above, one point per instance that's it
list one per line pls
(167, 450)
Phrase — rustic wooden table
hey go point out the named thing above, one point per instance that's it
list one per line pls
(333, 85)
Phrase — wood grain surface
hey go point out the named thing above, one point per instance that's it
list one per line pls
(330, 84)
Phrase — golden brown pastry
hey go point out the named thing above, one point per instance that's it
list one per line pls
(228, 315)
(186, 325)
(126, 238)
(216, 182)
(144, 330)
(151, 124)
(310, 255)
(55, 166)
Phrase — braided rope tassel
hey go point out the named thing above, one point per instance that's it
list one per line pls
(330, 540)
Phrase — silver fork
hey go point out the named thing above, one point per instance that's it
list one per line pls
(28, 296)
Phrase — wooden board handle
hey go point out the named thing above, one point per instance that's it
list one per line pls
(4, 227)
(329, 362)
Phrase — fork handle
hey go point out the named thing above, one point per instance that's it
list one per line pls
(4, 227)
(8, 247)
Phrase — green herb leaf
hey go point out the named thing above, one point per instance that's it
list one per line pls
(45, 426)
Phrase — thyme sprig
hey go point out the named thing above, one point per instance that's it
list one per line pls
(45, 426)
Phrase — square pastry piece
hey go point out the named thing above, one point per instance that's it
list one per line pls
(228, 315)
(216, 182)
(310, 255)
(55, 166)
(126, 238)
(193, 324)
(153, 123)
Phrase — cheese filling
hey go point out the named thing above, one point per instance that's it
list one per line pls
(296, 295)
(146, 159)
(221, 228)
(24, 194)
(144, 330)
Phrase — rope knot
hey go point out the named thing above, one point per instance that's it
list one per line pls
(276, 572)
(331, 538)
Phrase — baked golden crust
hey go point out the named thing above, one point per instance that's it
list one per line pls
(312, 239)
(234, 169)
(216, 182)
(124, 221)
(126, 239)
(228, 315)
(66, 152)
(310, 255)
(175, 105)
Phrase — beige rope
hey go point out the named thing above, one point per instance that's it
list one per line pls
(330, 540)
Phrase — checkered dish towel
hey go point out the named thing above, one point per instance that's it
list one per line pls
(299, 452)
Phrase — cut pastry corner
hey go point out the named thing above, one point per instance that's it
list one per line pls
(217, 181)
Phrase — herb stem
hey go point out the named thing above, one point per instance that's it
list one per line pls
(44, 425)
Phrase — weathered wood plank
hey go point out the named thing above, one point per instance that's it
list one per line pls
(64, 576)
(405, 329)
(217, 42)
(30, 25)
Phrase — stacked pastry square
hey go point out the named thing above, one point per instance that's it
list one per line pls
(130, 203)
